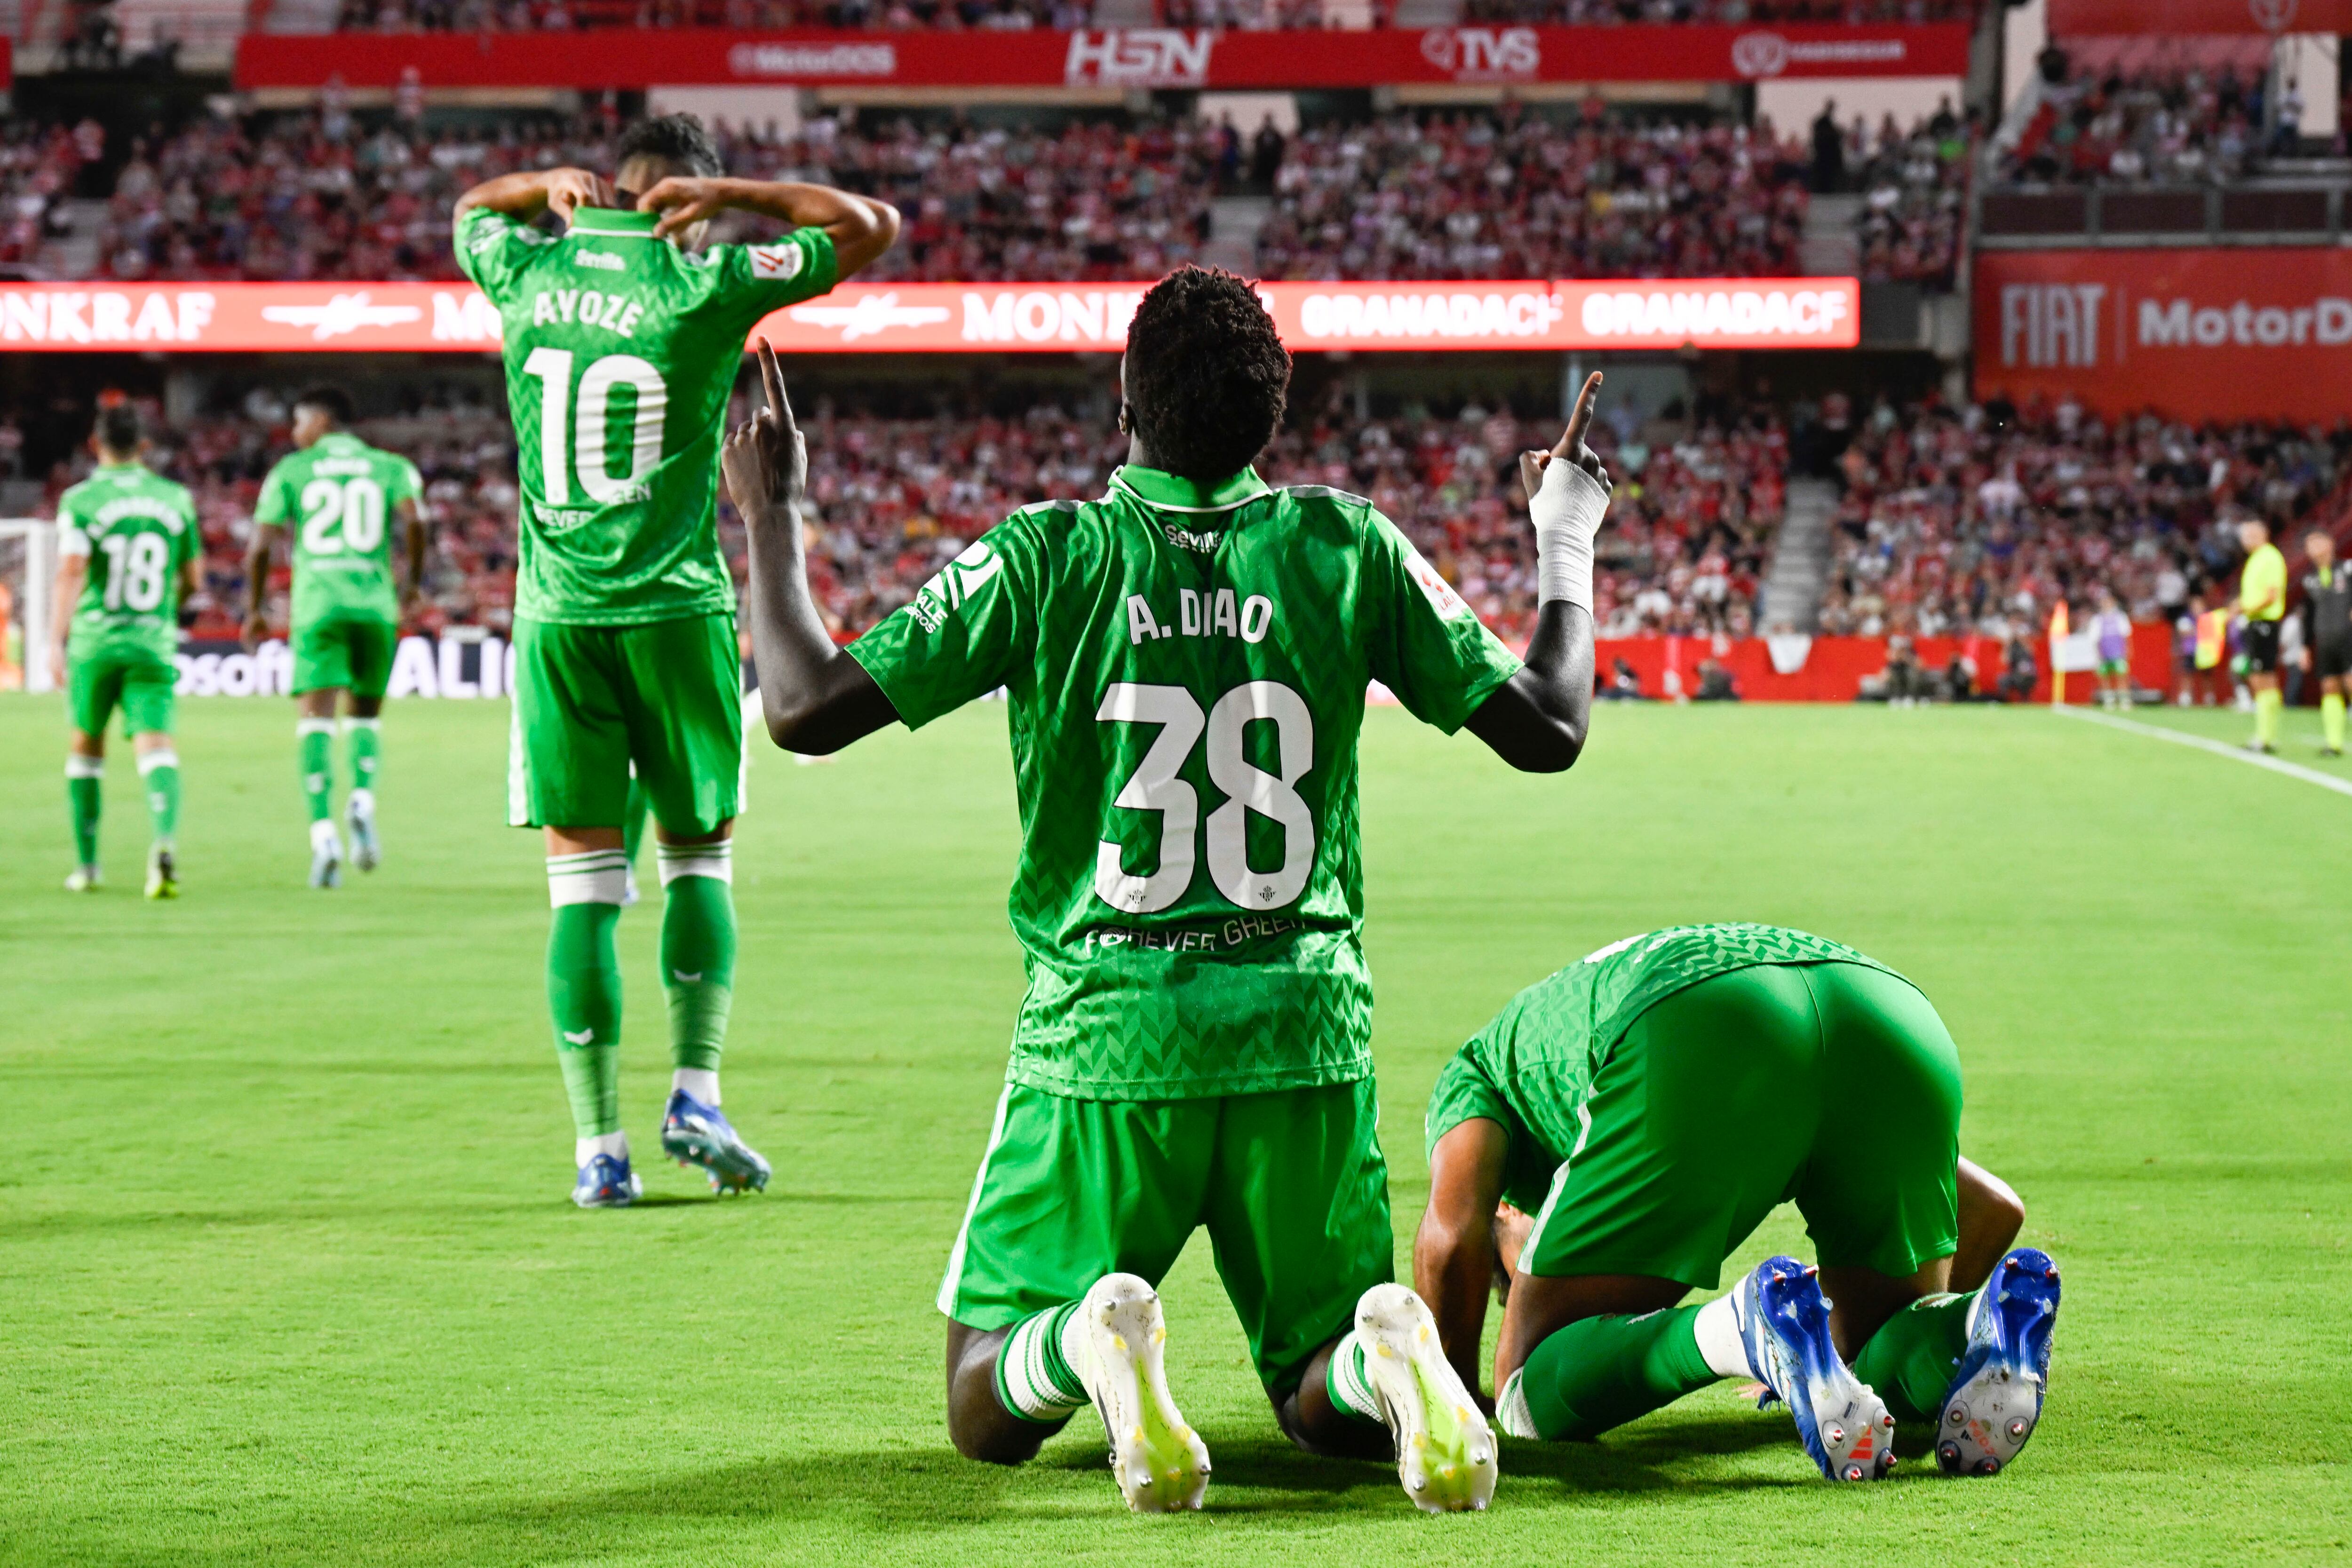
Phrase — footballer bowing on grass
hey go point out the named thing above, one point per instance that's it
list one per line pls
(623, 338)
(1186, 660)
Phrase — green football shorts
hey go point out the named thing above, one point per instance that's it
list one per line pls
(1835, 1085)
(1291, 1184)
(138, 681)
(591, 700)
(347, 650)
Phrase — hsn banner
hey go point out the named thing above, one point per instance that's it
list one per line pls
(958, 318)
(1112, 58)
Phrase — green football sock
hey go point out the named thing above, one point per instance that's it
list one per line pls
(2266, 717)
(2331, 721)
(364, 738)
(1910, 1360)
(314, 738)
(160, 772)
(698, 949)
(1600, 1372)
(82, 776)
(583, 985)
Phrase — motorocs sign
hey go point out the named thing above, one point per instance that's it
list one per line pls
(2193, 333)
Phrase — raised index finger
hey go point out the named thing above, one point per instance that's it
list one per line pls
(1580, 421)
(772, 376)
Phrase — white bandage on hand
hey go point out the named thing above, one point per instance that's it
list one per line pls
(1567, 513)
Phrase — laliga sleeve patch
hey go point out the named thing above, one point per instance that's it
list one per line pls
(1440, 592)
(777, 262)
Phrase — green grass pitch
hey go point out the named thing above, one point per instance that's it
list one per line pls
(287, 1274)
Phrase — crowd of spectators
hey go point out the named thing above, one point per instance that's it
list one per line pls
(39, 164)
(1690, 529)
(318, 196)
(463, 450)
(1913, 221)
(1731, 13)
(1976, 518)
(1510, 195)
(2177, 127)
(1516, 194)
(766, 16)
(892, 499)
(519, 16)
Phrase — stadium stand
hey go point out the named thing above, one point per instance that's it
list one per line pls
(1912, 225)
(39, 167)
(298, 197)
(2149, 127)
(1959, 519)
(319, 195)
(567, 16)
(1733, 13)
(1517, 194)
(895, 498)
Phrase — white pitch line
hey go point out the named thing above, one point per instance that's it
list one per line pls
(2218, 748)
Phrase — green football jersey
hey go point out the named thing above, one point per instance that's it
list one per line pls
(1186, 668)
(139, 529)
(1543, 1050)
(338, 499)
(621, 350)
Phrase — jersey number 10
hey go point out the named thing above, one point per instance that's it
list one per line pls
(1154, 787)
(572, 429)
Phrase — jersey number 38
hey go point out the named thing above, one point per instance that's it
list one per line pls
(1155, 787)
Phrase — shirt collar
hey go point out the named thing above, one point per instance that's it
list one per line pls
(612, 223)
(1173, 493)
(336, 440)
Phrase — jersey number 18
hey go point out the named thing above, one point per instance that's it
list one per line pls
(135, 570)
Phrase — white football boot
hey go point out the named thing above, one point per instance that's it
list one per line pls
(1159, 1462)
(1445, 1451)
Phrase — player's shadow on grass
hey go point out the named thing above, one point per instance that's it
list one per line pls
(914, 1488)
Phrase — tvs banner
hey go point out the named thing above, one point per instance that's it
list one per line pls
(956, 317)
(1114, 57)
(2194, 333)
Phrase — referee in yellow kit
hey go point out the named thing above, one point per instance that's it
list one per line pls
(2262, 599)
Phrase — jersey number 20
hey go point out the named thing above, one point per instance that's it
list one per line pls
(1154, 787)
(340, 515)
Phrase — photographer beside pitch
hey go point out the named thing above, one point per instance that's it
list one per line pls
(1649, 1105)
(1186, 660)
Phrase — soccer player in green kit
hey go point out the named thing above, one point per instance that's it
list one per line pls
(338, 497)
(1649, 1105)
(1186, 660)
(623, 338)
(127, 552)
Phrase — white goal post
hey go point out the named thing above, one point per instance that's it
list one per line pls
(35, 616)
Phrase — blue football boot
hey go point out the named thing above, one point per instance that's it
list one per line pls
(694, 1134)
(1996, 1400)
(606, 1183)
(1784, 1321)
